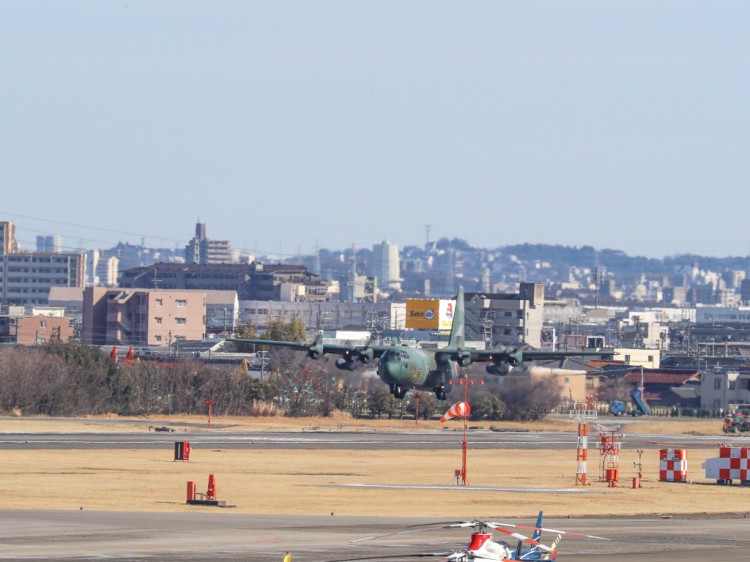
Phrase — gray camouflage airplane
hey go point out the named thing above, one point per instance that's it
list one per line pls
(403, 368)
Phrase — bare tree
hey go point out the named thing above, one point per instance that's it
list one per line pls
(529, 398)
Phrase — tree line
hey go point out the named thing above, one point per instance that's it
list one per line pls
(74, 379)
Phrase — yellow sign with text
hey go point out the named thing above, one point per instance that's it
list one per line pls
(422, 314)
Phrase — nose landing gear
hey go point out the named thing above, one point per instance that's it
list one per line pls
(398, 391)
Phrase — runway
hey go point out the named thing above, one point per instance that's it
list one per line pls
(85, 535)
(359, 440)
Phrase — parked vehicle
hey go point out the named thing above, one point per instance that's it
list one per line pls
(640, 408)
(736, 423)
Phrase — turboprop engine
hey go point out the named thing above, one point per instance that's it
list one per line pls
(503, 362)
(499, 369)
(347, 364)
(352, 359)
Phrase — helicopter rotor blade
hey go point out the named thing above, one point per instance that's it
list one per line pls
(427, 527)
(524, 538)
(391, 556)
(462, 524)
(533, 528)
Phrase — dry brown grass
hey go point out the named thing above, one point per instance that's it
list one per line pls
(324, 482)
(674, 426)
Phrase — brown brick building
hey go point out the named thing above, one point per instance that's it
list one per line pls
(142, 317)
(34, 330)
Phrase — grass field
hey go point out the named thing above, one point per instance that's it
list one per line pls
(324, 482)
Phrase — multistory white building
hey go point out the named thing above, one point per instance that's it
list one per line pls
(50, 244)
(26, 278)
(385, 266)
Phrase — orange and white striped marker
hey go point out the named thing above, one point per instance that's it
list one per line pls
(458, 410)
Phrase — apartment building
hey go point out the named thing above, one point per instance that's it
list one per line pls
(101, 269)
(722, 387)
(142, 317)
(325, 315)
(8, 244)
(202, 250)
(385, 266)
(254, 281)
(506, 319)
(26, 278)
(50, 244)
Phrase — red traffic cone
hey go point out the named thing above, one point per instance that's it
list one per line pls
(211, 492)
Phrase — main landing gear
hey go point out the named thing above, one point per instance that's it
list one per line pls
(440, 392)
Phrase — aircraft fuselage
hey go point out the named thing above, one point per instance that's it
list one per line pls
(403, 368)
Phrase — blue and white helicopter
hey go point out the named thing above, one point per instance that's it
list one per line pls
(482, 547)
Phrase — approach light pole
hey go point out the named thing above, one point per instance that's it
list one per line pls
(465, 382)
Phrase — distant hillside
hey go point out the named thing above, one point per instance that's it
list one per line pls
(617, 261)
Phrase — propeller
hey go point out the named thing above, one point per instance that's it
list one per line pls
(315, 347)
(366, 354)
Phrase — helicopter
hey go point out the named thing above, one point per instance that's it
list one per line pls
(482, 547)
(404, 368)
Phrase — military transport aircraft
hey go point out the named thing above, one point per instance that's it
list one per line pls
(403, 368)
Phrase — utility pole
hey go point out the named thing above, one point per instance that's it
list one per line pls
(641, 387)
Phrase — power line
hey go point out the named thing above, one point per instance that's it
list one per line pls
(101, 229)
(11, 215)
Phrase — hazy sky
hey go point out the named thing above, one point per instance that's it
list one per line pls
(286, 124)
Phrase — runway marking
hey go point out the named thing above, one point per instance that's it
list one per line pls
(470, 488)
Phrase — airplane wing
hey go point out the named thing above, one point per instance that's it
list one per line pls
(516, 356)
(315, 349)
(506, 357)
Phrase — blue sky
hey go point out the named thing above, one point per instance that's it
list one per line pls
(287, 124)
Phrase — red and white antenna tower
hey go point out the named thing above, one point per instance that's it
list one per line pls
(582, 412)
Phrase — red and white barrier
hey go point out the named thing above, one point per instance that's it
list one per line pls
(673, 465)
(733, 463)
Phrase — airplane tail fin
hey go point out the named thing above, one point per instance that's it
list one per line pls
(457, 328)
